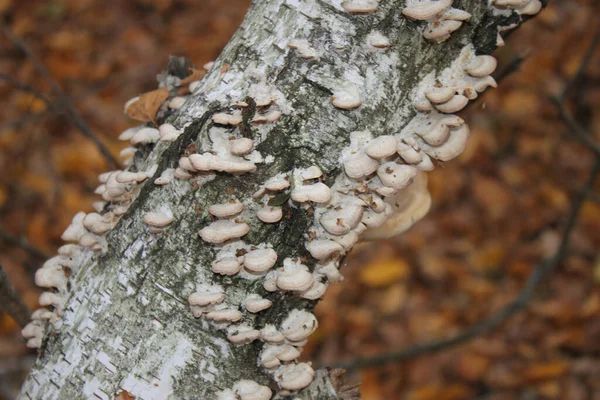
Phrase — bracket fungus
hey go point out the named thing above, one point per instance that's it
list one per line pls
(228, 209)
(294, 276)
(223, 230)
(294, 376)
(269, 214)
(260, 260)
(347, 98)
(360, 6)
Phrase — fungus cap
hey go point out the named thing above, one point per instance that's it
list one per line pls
(381, 147)
(299, 325)
(269, 214)
(426, 9)
(227, 209)
(223, 230)
(294, 376)
(260, 260)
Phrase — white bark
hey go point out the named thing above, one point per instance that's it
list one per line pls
(126, 324)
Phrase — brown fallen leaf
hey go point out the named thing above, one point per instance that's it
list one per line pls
(195, 75)
(124, 395)
(146, 106)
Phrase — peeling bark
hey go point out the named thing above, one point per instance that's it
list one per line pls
(126, 324)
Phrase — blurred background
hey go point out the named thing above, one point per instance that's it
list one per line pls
(498, 210)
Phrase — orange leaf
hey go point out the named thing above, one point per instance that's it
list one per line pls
(124, 395)
(383, 271)
(195, 75)
(146, 106)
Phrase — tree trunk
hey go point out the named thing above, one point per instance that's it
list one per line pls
(126, 321)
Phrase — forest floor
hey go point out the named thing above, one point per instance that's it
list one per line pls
(498, 210)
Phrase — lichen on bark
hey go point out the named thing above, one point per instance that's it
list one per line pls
(127, 324)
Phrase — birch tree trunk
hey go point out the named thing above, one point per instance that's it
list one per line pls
(126, 323)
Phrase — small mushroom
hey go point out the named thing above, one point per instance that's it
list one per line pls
(378, 40)
(225, 315)
(211, 162)
(341, 219)
(317, 193)
(381, 147)
(294, 276)
(177, 102)
(346, 99)
(409, 205)
(254, 303)
(242, 334)
(228, 209)
(250, 390)
(270, 334)
(440, 30)
(315, 292)
(299, 325)
(359, 164)
(396, 176)
(322, 249)
(456, 103)
(206, 298)
(424, 10)
(223, 230)
(260, 260)
(360, 6)
(440, 94)
(228, 119)
(269, 214)
(294, 376)
(145, 135)
(168, 133)
(158, 219)
(226, 266)
(241, 146)
(481, 66)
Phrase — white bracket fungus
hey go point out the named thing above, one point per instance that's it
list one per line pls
(229, 209)
(254, 303)
(299, 325)
(347, 98)
(269, 214)
(360, 6)
(242, 334)
(223, 230)
(294, 276)
(260, 260)
(294, 376)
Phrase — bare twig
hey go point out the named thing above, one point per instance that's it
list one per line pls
(511, 67)
(11, 302)
(518, 304)
(63, 100)
(582, 67)
(579, 133)
(24, 244)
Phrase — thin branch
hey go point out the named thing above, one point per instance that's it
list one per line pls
(62, 99)
(511, 67)
(26, 88)
(24, 244)
(582, 67)
(11, 302)
(579, 133)
(518, 304)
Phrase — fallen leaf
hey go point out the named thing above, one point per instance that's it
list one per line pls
(146, 106)
(384, 271)
(195, 75)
